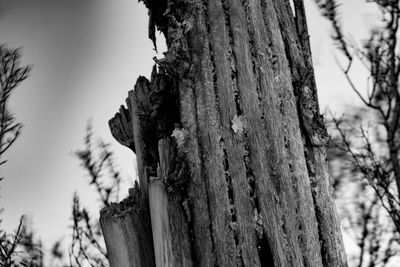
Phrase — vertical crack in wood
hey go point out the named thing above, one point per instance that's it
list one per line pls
(250, 97)
(260, 73)
(298, 53)
(202, 243)
(178, 61)
(210, 134)
(233, 224)
(253, 52)
(298, 214)
(300, 225)
(242, 222)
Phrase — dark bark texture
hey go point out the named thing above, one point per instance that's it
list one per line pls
(235, 97)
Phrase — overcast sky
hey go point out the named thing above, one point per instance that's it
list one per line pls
(86, 55)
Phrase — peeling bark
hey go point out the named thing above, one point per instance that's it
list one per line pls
(246, 176)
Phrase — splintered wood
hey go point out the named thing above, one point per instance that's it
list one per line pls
(229, 142)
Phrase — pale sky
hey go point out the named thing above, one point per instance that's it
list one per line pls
(86, 56)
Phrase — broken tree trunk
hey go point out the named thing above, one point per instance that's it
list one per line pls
(245, 182)
(126, 232)
(139, 127)
(160, 223)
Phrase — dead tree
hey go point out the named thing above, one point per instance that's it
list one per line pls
(230, 144)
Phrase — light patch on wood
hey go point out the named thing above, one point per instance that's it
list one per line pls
(292, 6)
(158, 203)
(179, 135)
(238, 125)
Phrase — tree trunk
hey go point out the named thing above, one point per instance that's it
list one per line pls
(246, 177)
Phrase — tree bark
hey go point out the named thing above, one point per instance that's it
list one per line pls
(126, 232)
(247, 178)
